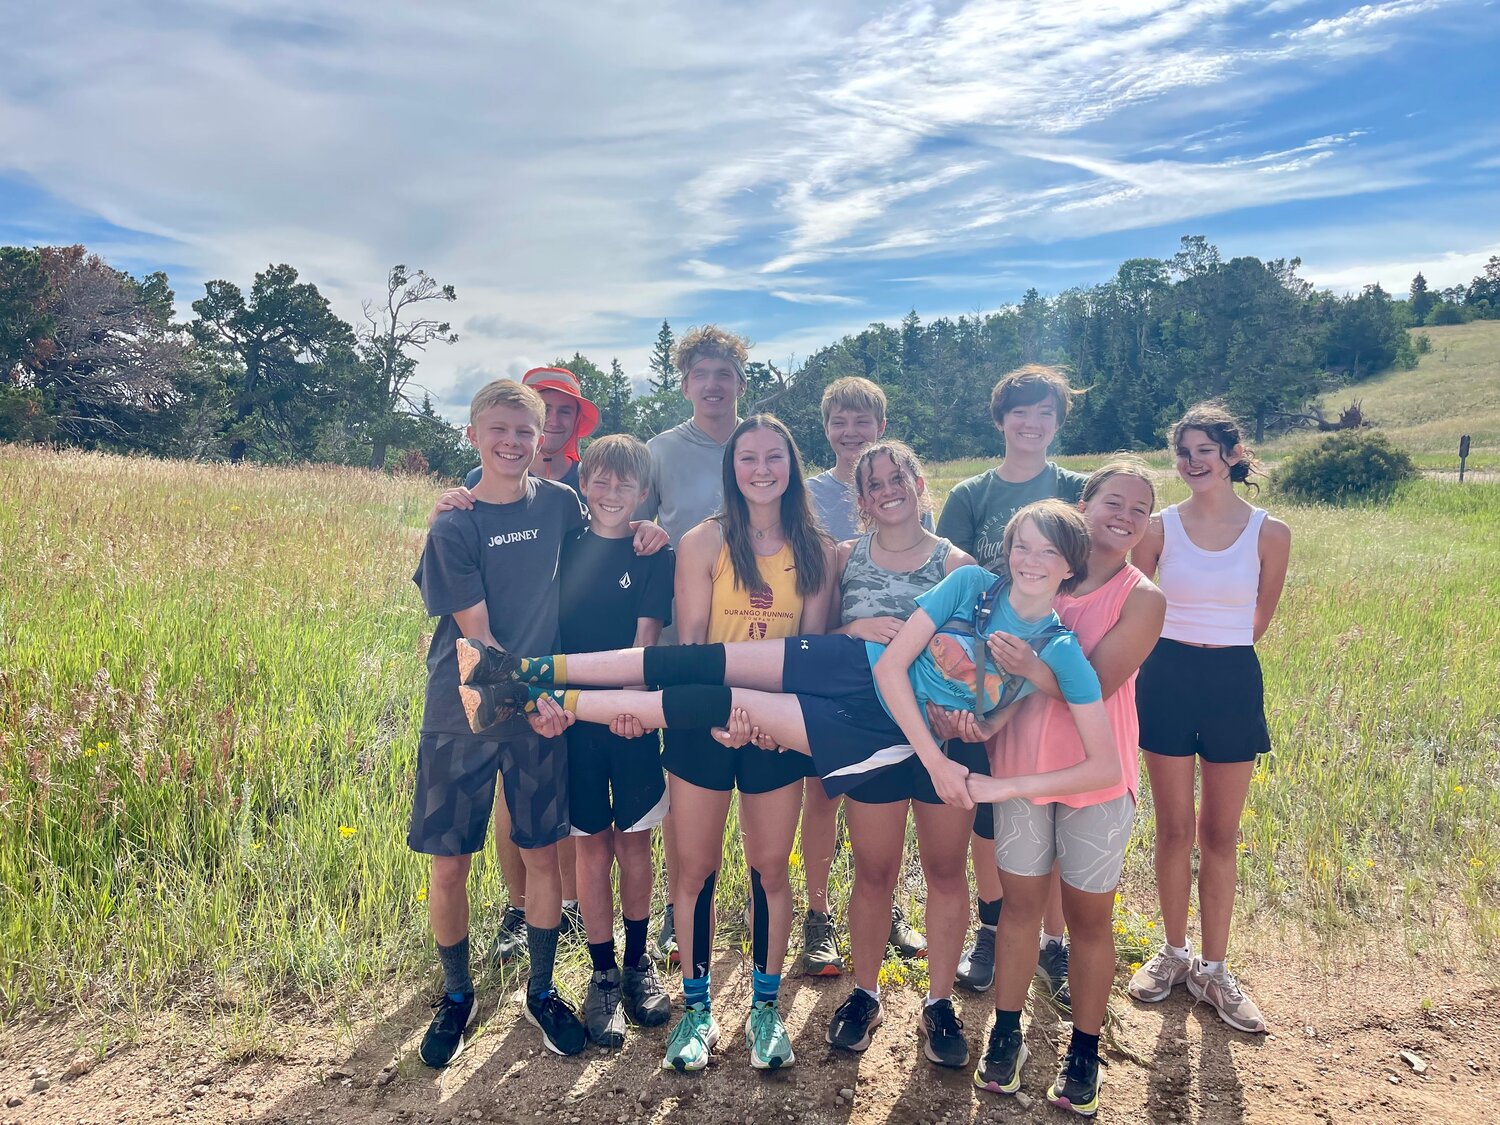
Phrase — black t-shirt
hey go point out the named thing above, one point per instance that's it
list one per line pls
(606, 587)
(505, 555)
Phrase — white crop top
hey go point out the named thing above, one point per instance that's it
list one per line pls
(1210, 594)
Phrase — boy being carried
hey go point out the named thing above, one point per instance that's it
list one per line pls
(489, 573)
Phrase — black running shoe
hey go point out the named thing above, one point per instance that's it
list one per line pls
(602, 1012)
(510, 938)
(976, 969)
(1000, 1070)
(943, 1034)
(855, 1021)
(1077, 1084)
(487, 705)
(484, 664)
(445, 1034)
(906, 939)
(562, 1031)
(646, 1001)
(1052, 967)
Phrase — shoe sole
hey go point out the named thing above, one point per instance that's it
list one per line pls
(829, 970)
(1200, 997)
(1087, 1109)
(975, 986)
(547, 1039)
(468, 660)
(1155, 997)
(611, 1041)
(711, 1041)
(863, 1044)
(473, 700)
(995, 1087)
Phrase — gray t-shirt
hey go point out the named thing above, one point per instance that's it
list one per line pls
(505, 555)
(687, 479)
(979, 508)
(836, 507)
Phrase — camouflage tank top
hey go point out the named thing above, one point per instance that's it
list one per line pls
(869, 590)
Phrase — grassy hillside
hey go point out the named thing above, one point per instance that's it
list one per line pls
(1454, 390)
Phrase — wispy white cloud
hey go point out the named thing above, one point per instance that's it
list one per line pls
(581, 171)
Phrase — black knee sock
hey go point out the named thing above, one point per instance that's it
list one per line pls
(668, 665)
(541, 945)
(989, 912)
(635, 941)
(703, 913)
(602, 955)
(696, 705)
(1084, 1044)
(760, 925)
(455, 959)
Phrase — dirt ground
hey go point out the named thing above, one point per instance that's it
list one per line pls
(1334, 1052)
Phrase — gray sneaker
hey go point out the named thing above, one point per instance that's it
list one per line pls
(602, 1013)
(1222, 991)
(1154, 981)
(905, 939)
(646, 1001)
(666, 938)
(976, 969)
(1052, 967)
(820, 949)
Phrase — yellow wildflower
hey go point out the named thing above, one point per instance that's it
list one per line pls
(422, 894)
(347, 830)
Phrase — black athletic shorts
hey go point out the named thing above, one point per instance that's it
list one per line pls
(1204, 701)
(613, 781)
(977, 758)
(694, 755)
(455, 791)
(847, 727)
(905, 781)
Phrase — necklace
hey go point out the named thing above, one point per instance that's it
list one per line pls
(761, 532)
(921, 536)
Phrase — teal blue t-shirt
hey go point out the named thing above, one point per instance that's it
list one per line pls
(944, 673)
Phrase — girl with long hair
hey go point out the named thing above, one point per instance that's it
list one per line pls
(1221, 563)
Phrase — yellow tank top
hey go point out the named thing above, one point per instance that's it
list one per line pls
(738, 614)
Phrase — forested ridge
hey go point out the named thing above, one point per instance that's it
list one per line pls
(93, 357)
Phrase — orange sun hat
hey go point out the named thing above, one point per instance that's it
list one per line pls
(563, 380)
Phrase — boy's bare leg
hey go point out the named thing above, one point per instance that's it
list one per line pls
(567, 861)
(448, 898)
(543, 887)
(633, 854)
(512, 870)
(596, 855)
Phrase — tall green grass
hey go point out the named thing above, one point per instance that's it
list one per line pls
(210, 686)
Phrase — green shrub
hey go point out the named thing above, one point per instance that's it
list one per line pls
(1350, 465)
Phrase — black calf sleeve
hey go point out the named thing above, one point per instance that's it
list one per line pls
(696, 705)
(760, 923)
(703, 920)
(666, 665)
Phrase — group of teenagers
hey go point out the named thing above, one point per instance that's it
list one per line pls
(812, 643)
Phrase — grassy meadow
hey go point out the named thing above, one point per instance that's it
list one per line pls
(210, 684)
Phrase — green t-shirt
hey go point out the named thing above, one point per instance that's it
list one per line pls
(978, 509)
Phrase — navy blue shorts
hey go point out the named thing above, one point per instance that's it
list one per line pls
(1208, 702)
(847, 727)
(977, 759)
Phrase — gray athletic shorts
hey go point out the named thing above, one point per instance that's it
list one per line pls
(1088, 844)
(455, 791)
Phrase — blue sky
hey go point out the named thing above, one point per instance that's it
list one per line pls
(793, 171)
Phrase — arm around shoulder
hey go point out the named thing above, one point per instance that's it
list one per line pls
(1147, 554)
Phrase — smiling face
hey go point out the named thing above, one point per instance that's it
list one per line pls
(851, 432)
(1037, 565)
(506, 438)
(1030, 428)
(1202, 463)
(1118, 513)
(762, 466)
(562, 421)
(888, 495)
(713, 385)
(612, 500)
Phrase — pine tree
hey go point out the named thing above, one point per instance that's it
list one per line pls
(1421, 299)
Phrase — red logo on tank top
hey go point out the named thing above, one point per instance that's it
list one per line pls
(762, 599)
(757, 630)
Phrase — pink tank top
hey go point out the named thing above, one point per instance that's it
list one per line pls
(1042, 736)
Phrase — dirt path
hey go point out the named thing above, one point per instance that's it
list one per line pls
(1334, 1053)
